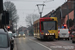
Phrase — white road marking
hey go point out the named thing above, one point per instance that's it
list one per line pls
(40, 44)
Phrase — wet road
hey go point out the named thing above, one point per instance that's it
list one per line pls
(31, 43)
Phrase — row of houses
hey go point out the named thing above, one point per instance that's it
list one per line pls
(63, 12)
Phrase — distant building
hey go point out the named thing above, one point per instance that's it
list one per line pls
(22, 29)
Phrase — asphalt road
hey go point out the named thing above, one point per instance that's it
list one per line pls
(31, 43)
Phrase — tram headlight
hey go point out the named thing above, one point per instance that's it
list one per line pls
(47, 34)
(51, 33)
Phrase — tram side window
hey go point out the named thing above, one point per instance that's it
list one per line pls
(42, 26)
(37, 27)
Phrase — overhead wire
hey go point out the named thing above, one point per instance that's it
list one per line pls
(33, 9)
(26, 0)
(46, 1)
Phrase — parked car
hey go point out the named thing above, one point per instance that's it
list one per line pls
(11, 39)
(15, 35)
(63, 34)
(4, 40)
(73, 35)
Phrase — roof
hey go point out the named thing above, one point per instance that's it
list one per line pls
(66, 8)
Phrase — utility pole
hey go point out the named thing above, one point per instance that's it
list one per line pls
(74, 14)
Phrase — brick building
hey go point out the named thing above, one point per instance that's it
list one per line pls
(62, 12)
(71, 12)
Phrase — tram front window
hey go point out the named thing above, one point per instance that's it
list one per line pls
(48, 25)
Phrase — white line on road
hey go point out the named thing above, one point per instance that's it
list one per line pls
(40, 44)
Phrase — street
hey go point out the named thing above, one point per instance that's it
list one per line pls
(31, 43)
(22, 20)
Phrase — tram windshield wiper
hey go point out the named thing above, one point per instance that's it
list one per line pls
(51, 27)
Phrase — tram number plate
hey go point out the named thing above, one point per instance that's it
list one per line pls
(64, 34)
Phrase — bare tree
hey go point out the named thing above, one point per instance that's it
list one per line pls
(10, 7)
(30, 18)
(13, 17)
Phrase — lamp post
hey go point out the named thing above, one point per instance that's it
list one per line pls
(40, 8)
(74, 14)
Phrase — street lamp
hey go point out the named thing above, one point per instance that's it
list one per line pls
(40, 8)
(74, 14)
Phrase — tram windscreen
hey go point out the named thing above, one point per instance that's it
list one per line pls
(48, 25)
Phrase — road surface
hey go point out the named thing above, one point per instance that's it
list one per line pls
(31, 43)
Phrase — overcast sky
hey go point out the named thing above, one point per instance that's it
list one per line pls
(25, 7)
